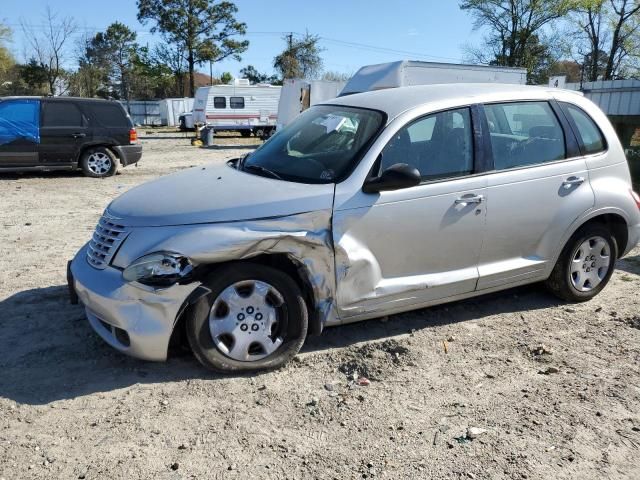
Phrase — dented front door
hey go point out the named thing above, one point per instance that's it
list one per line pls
(408, 248)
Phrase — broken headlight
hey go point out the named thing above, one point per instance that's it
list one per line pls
(159, 270)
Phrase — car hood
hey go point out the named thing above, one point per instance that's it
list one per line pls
(216, 193)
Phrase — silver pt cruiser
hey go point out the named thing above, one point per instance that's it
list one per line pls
(369, 205)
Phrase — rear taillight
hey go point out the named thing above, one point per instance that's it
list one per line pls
(636, 197)
(133, 136)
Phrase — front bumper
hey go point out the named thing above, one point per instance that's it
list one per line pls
(133, 320)
(128, 154)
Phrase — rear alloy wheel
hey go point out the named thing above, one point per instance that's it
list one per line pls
(99, 163)
(255, 319)
(585, 264)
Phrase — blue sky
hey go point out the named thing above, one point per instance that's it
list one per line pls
(384, 30)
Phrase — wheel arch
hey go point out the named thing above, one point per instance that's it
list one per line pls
(613, 219)
(85, 148)
(280, 261)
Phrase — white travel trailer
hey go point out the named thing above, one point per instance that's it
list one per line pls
(240, 106)
(297, 95)
(407, 72)
(171, 109)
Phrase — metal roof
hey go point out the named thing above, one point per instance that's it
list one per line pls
(614, 97)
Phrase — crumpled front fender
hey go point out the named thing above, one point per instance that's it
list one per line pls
(306, 238)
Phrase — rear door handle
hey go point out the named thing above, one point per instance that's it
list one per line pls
(468, 199)
(78, 135)
(571, 181)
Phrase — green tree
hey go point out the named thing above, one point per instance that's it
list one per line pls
(113, 53)
(150, 78)
(515, 31)
(607, 37)
(172, 57)
(624, 39)
(35, 77)
(6, 59)
(254, 76)
(226, 78)
(568, 68)
(301, 58)
(206, 27)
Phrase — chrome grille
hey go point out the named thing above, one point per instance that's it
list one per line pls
(105, 241)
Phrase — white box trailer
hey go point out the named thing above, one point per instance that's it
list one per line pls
(408, 72)
(240, 107)
(172, 108)
(297, 95)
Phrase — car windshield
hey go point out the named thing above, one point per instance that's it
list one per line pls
(319, 146)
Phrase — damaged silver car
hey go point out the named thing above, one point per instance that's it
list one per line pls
(368, 205)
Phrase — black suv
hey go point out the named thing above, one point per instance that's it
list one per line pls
(63, 133)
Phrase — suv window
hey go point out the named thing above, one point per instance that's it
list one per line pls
(19, 121)
(110, 114)
(524, 133)
(588, 131)
(61, 114)
(438, 145)
(236, 102)
(219, 102)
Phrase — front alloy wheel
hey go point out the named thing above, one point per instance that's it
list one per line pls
(254, 319)
(248, 320)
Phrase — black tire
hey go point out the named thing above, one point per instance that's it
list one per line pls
(560, 281)
(294, 309)
(90, 170)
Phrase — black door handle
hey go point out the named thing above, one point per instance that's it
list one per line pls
(78, 135)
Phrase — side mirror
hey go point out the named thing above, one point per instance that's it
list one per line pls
(395, 177)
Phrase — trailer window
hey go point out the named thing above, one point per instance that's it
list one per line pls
(219, 102)
(236, 102)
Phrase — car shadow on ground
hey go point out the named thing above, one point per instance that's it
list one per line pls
(48, 351)
(7, 176)
(629, 264)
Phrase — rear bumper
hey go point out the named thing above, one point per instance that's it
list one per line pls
(133, 320)
(633, 239)
(128, 154)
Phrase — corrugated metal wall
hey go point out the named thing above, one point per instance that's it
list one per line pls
(614, 97)
(144, 112)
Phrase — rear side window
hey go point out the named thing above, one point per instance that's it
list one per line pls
(219, 102)
(19, 122)
(523, 134)
(236, 102)
(61, 114)
(110, 115)
(438, 145)
(589, 133)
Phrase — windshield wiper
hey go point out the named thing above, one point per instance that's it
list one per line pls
(261, 169)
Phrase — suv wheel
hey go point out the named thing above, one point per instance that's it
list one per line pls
(99, 163)
(585, 264)
(255, 319)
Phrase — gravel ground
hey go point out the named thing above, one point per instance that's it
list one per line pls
(507, 386)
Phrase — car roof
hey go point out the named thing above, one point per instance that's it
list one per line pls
(394, 101)
(58, 99)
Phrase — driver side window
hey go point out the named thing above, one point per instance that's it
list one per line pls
(438, 145)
